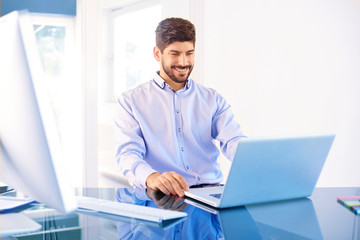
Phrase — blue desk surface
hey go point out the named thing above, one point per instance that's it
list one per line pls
(317, 217)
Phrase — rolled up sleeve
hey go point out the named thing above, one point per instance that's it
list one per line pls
(225, 129)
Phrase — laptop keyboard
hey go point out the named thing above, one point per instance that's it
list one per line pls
(216, 195)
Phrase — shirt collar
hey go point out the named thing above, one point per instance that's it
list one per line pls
(161, 83)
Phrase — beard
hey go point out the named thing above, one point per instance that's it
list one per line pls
(183, 77)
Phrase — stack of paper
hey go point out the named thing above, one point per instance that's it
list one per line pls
(9, 203)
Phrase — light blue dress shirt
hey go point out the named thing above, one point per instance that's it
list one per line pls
(159, 129)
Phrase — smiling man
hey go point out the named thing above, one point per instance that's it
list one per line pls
(177, 61)
(166, 128)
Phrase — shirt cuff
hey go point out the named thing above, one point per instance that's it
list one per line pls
(142, 172)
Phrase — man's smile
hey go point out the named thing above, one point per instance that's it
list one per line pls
(181, 68)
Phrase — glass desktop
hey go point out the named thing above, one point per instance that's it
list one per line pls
(317, 217)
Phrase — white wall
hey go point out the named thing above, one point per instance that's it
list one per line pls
(290, 67)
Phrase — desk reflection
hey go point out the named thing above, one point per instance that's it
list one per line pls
(295, 219)
(199, 224)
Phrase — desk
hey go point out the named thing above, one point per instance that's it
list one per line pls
(317, 217)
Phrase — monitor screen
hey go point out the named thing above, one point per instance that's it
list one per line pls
(30, 155)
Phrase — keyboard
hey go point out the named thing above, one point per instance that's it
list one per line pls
(127, 209)
(216, 195)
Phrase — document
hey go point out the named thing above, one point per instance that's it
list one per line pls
(7, 203)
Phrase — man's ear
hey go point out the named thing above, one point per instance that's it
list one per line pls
(157, 53)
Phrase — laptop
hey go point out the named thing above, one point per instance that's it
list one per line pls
(269, 169)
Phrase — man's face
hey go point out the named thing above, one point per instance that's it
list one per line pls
(176, 62)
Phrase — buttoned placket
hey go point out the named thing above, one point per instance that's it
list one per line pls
(179, 128)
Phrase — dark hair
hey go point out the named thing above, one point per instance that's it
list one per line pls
(172, 30)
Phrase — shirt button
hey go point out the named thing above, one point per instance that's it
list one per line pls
(198, 178)
(182, 149)
(177, 111)
(187, 167)
(179, 129)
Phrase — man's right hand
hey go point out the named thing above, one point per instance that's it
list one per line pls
(168, 183)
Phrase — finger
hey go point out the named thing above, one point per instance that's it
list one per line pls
(177, 203)
(167, 183)
(182, 207)
(181, 181)
(174, 186)
(158, 181)
(178, 182)
(169, 204)
(164, 200)
(160, 186)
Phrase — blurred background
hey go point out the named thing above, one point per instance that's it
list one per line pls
(285, 67)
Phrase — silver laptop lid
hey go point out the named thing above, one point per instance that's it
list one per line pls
(271, 169)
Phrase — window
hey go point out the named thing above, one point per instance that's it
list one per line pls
(134, 39)
(55, 38)
(126, 60)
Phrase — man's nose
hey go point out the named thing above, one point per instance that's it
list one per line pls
(182, 61)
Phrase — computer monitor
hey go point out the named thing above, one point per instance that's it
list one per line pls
(30, 153)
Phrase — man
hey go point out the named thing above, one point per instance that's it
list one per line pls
(165, 128)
